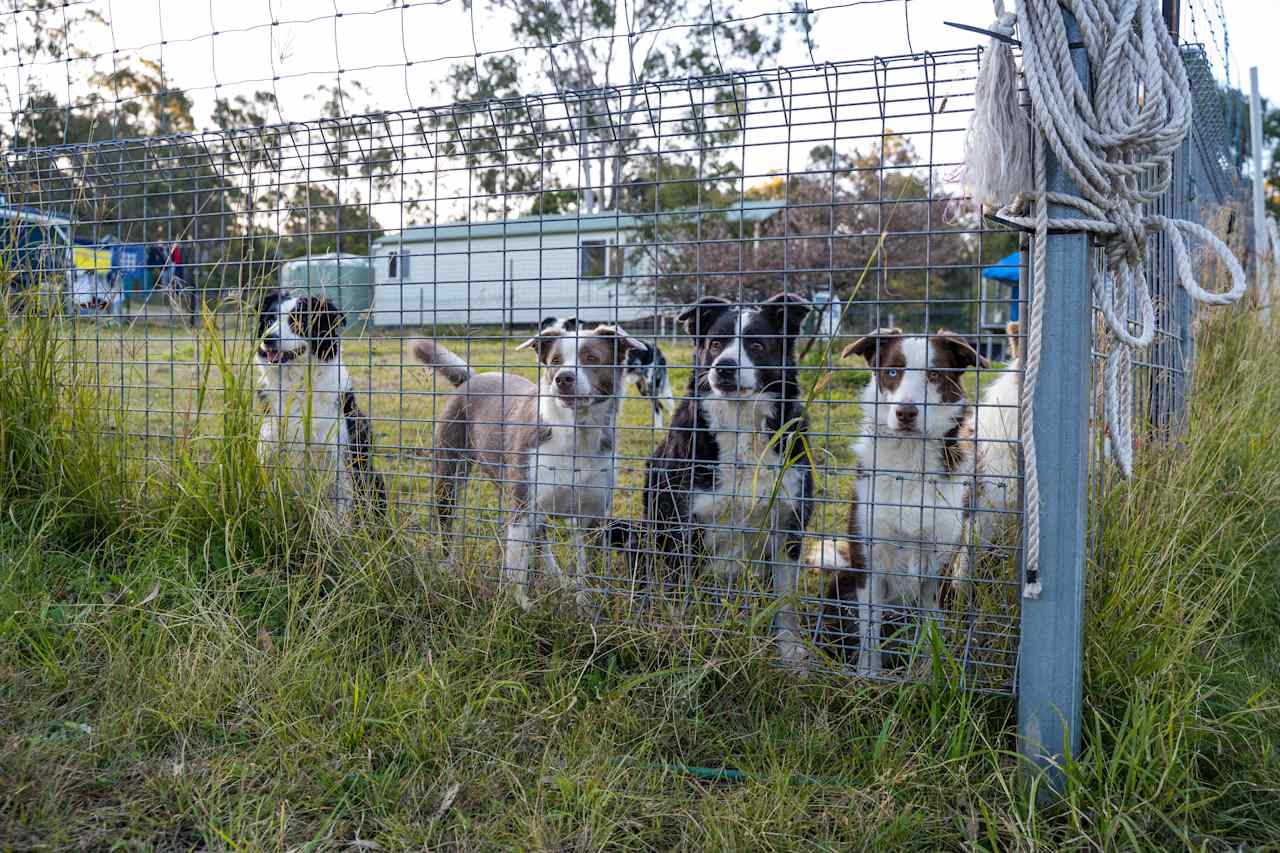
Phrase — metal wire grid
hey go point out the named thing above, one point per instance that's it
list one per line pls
(713, 188)
(1215, 171)
(1207, 187)
(405, 68)
(1204, 28)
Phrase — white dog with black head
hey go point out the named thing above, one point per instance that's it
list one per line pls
(314, 426)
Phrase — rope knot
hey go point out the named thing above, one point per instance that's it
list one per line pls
(1130, 238)
(1004, 25)
(997, 144)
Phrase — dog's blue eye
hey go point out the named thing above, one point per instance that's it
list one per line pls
(892, 373)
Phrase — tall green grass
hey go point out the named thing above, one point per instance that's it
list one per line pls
(187, 660)
(61, 451)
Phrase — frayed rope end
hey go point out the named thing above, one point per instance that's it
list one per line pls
(997, 158)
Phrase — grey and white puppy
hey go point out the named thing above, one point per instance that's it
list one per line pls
(549, 446)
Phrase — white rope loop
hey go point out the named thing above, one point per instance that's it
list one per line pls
(1174, 229)
(1117, 145)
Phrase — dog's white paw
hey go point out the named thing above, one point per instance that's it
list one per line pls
(793, 654)
(868, 665)
(521, 597)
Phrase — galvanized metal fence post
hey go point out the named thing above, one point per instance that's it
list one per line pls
(1261, 249)
(1051, 657)
(1182, 193)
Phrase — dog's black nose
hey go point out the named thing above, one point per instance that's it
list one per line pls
(726, 368)
(906, 414)
(564, 379)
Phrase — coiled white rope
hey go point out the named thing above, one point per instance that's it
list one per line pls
(1117, 144)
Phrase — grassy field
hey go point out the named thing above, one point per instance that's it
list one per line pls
(165, 388)
(187, 661)
(165, 385)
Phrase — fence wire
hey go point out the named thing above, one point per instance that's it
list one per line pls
(1207, 187)
(716, 352)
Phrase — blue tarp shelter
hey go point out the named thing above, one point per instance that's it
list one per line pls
(1007, 270)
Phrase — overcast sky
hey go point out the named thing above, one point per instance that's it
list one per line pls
(1254, 34)
(401, 50)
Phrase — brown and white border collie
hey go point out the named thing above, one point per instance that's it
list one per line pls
(731, 482)
(909, 510)
(550, 446)
(314, 421)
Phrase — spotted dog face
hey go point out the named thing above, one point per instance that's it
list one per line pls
(640, 360)
(637, 360)
(297, 327)
(745, 351)
(918, 384)
(581, 367)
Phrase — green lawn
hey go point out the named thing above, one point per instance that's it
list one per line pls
(187, 661)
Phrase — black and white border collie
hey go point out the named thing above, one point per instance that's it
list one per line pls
(731, 482)
(314, 423)
(645, 369)
(911, 499)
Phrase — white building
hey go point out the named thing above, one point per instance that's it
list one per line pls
(517, 271)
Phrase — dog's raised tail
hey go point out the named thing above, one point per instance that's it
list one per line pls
(441, 360)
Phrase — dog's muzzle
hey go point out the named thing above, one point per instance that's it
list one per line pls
(566, 386)
(574, 401)
(725, 378)
(277, 356)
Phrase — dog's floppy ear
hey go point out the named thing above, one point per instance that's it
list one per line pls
(698, 317)
(270, 300)
(542, 343)
(1014, 331)
(868, 346)
(268, 307)
(322, 323)
(568, 324)
(622, 342)
(961, 354)
(787, 311)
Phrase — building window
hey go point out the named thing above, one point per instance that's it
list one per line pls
(398, 265)
(593, 259)
(617, 261)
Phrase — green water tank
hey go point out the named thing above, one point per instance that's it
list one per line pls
(345, 279)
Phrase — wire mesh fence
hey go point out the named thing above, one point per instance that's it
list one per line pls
(1207, 187)
(731, 350)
